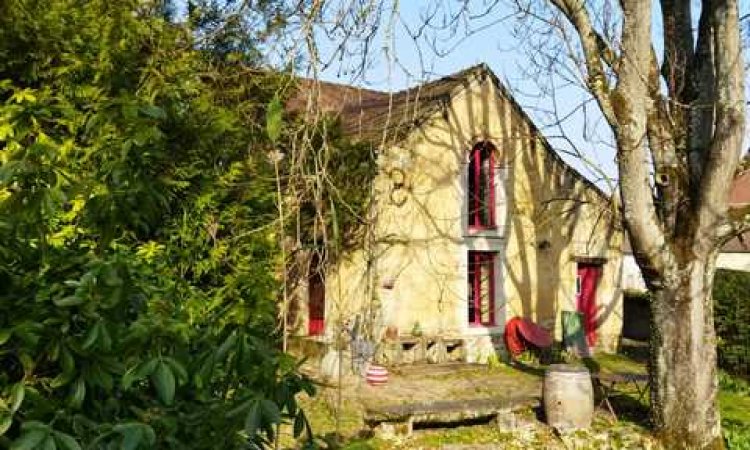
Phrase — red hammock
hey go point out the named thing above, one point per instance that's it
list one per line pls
(520, 331)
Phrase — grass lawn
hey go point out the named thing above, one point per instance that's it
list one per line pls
(735, 407)
(734, 399)
(619, 363)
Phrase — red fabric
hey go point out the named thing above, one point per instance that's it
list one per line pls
(535, 334)
(588, 277)
(513, 340)
(316, 327)
(520, 331)
(317, 300)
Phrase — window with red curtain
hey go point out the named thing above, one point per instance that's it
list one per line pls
(316, 297)
(481, 191)
(481, 287)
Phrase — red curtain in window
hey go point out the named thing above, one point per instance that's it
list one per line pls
(482, 186)
(481, 288)
(316, 298)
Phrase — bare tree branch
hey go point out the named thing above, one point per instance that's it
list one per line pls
(575, 12)
(701, 95)
(723, 156)
(678, 45)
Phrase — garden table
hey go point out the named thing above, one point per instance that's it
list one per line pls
(606, 383)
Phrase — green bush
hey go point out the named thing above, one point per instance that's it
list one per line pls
(137, 247)
(736, 435)
(735, 385)
(732, 318)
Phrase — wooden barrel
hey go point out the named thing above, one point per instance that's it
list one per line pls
(376, 375)
(568, 397)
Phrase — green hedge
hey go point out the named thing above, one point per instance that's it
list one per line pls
(732, 316)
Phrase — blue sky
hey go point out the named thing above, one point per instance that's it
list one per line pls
(397, 63)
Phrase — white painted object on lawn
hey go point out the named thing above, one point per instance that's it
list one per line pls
(568, 397)
(376, 375)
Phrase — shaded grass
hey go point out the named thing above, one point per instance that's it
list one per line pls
(619, 363)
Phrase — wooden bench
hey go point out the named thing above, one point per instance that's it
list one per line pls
(400, 419)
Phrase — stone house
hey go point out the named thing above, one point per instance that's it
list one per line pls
(475, 219)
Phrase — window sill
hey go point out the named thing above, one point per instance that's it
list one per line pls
(479, 228)
(483, 330)
(496, 232)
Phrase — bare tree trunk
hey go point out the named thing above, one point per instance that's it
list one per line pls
(675, 166)
(683, 367)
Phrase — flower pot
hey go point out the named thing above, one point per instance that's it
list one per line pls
(376, 375)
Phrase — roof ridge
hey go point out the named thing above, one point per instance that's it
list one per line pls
(335, 84)
(479, 67)
(483, 67)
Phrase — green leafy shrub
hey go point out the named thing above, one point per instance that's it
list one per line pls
(736, 435)
(735, 385)
(137, 288)
(636, 315)
(732, 317)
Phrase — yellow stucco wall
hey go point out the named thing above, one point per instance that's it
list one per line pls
(547, 219)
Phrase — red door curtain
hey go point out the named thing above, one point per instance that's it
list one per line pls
(588, 278)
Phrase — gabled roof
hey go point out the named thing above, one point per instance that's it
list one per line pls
(386, 118)
(739, 244)
(381, 118)
(739, 200)
(376, 117)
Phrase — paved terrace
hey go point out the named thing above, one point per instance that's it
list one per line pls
(416, 390)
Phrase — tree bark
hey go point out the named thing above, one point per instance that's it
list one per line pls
(683, 359)
(679, 134)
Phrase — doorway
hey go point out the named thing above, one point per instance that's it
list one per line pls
(587, 279)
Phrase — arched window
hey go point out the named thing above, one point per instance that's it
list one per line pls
(481, 191)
